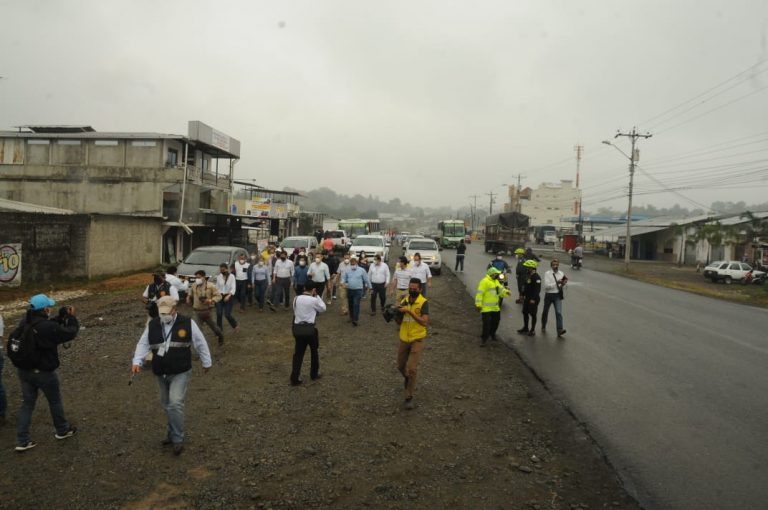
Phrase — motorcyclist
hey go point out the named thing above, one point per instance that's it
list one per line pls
(576, 256)
(504, 269)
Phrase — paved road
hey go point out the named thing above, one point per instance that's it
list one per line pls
(672, 385)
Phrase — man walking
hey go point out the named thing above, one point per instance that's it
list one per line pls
(488, 298)
(401, 280)
(461, 249)
(422, 272)
(170, 338)
(37, 365)
(378, 274)
(155, 290)
(320, 274)
(241, 280)
(305, 309)
(225, 284)
(282, 275)
(413, 317)
(531, 297)
(259, 282)
(179, 283)
(355, 282)
(554, 282)
(203, 295)
(345, 266)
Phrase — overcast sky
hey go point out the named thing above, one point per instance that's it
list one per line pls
(428, 101)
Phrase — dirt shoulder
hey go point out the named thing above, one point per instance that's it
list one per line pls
(484, 434)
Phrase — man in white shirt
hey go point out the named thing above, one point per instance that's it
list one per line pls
(180, 284)
(170, 338)
(320, 274)
(554, 281)
(225, 284)
(378, 274)
(241, 279)
(305, 309)
(282, 277)
(422, 272)
(400, 280)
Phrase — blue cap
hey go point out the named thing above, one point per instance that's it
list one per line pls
(41, 301)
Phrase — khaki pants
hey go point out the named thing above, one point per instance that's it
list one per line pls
(399, 295)
(408, 356)
(342, 297)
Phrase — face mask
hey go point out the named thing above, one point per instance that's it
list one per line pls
(302, 263)
(346, 261)
(498, 257)
(261, 263)
(199, 281)
(413, 293)
(354, 266)
(318, 259)
(166, 318)
(225, 273)
(158, 280)
(282, 258)
(253, 257)
(554, 268)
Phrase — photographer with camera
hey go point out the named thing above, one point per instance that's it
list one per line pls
(203, 296)
(33, 349)
(412, 316)
(305, 309)
(155, 290)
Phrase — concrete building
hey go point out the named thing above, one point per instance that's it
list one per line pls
(551, 203)
(184, 183)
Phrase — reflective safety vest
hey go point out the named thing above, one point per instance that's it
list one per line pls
(410, 330)
(488, 293)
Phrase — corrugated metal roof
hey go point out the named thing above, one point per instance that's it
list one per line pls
(12, 205)
(622, 231)
(735, 220)
(97, 135)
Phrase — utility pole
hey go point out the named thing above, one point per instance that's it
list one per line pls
(633, 157)
(473, 210)
(490, 205)
(579, 149)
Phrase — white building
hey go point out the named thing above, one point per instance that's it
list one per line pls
(551, 202)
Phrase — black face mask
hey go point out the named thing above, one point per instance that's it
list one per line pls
(413, 293)
(282, 258)
(158, 280)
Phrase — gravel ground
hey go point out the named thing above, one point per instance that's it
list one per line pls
(484, 433)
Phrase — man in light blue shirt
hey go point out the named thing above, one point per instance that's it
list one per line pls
(356, 282)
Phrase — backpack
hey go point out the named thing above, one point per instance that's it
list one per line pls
(22, 349)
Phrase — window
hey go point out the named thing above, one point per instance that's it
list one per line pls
(746, 267)
(143, 143)
(38, 142)
(735, 265)
(68, 142)
(106, 142)
(173, 158)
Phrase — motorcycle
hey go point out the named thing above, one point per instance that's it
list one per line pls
(576, 262)
(751, 278)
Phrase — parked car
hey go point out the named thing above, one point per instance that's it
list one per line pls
(732, 271)
(208, 258)
(340, 238)
(429, 251)
(712, 268)
(307, 242)
(372, 246)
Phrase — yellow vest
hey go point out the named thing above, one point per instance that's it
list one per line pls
(488, 293)
(410, 330)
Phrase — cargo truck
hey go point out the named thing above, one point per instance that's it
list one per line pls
(505, 232)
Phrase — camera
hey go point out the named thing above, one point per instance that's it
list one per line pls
(390, 312)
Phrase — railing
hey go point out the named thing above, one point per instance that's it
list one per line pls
(198, 176)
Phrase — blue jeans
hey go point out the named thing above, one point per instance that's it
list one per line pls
(225, 309)
(173, 390)
(555, 300)
(3, 400)
(260, 286)
(31, 382)
(353, 300)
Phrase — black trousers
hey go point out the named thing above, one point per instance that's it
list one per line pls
(490, 324)
(529, 311)
(302, 342)
(378, 289)
(459, 262)
(241, 291)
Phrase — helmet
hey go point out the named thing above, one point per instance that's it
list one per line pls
(519, 251)
(492, 271)
(531, 263)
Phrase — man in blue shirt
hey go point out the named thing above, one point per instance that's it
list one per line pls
(356, 282)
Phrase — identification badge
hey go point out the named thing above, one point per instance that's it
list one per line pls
(161, 351)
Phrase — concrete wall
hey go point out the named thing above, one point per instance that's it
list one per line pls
(117, 245)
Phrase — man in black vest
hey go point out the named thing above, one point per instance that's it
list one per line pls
(155, 290)
(170, 338)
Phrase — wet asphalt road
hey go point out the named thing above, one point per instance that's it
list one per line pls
(672, 385)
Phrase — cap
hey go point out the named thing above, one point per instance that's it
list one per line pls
(40, 301)
(165, 304)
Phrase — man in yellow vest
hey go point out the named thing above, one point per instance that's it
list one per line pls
(413, 316)
(489, 292)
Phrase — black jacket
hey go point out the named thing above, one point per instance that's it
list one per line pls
(50, 333)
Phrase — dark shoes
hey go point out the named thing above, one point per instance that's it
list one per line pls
(522, 330)
(494, 338)
(296, 383)
(26, 446)
(373, 312)
(561, 332)
(318, 376)
(71, 432)
(531, 333)
(409, 405)
(166, 442)
(354, 323)
(178, 448)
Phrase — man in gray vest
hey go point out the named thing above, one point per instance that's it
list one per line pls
(170, 337)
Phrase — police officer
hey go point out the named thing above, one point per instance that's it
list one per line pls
(531, 297)
(488, 297)
(170, 337)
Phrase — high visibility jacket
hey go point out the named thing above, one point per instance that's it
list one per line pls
(488, 293)
(410, 330)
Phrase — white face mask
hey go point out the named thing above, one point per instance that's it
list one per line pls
(318, 260)
(301, 263)
(261, 263)
(166, 318)
(199, 281)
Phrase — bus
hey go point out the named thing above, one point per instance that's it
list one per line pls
(451, 232)
(359, 227)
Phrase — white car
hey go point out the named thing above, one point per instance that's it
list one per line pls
(309, 243)
(429, 251)
(407, 239)
(371, 245)
(732, 271)
(712, 268)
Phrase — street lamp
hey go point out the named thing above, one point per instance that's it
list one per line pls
(634, 136)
